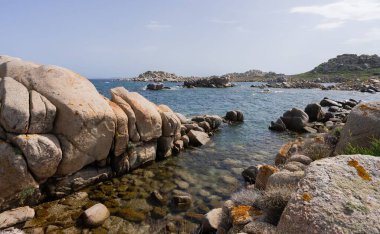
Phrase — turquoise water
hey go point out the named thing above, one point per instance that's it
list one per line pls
(211, 173)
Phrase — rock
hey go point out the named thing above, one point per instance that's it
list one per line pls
(16, 183)
(310, 130)
(158, 198)
(263, 175)
(3, 134)
(182, 118)
(178, 146)
(42, 152)
(250, 174)
(12, 230)
(278, 126)
(42, 114)
(205, 125)
(120, 165)
(96, 215)
(181, 200)
(185, 139)
(231, 116)
(84, 121)
(210, 82)
(155, 86)
(295, 119)
(171, 124)
(285, 179)
(300, 158)
(337, 195)
(159, 212)
(14, 114)
(259, 227)
(121, 133)
(212, 220)
(198, 138)
(295, 166)
(315, 112)
(214, 120)
(15, 216)
(164, 147)
(118, 97)
(148, 119)
(328, 102)
(142, 154)
(361, 127)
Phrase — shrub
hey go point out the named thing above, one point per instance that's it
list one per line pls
(373, 149)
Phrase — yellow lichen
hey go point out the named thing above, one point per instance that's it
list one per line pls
(285, 149)
(362, 172)
(307, 197)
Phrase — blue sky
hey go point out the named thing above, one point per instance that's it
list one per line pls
(113, 38)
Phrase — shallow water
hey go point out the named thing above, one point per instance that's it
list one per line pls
(212, 172)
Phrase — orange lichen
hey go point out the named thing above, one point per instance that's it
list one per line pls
(307, 197)
(362, 172)
(285, 149)
(366, 108)
(240, 214)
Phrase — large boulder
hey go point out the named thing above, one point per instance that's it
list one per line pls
(295, 119)
(171, 124)
(121, 134)
(42, 152)
(14, 112)
(315, 112)
(198, 138)
(42, 114)
(148, 119)
(337, 195)
(84, 121)
(362, 126)
(14, 175)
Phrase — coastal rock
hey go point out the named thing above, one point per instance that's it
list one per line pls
(42, 114)
(315, 112)
(171, 124)
(285, 179)
(42, 152)
(259, 228)
(83, 120)
(142, 154)
(120, 165)
(155, 86)
(198, 138)
(263, 175)
(96, 215)
(210, 82)
(250, 174)
(212, 220)
(182, 118)
(14, 114)
(328, 102)
(300, 158)
(164, 147)
(15, 216)
(14, 177)
(235, 116)
(361, 127)
(186, 140)
(121, 133)
(295, 119)
(278, 126)
(181, 200)
(119, 97)
(337, 195)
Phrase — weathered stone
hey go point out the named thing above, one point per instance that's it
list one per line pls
(212, 220)
(171, 124)
(142, 154)
(256, 227)
(186, 140)
(121, 133)
(295, 119)
(337, 195)
(3, 134)
(164, 147)
(285, 179)
(315, 112)
(96, 215)
(120, 164)
(84, 120)
(328, 102)
(362, 126)
(182, 118)
(14, 175)
(42, 152)
(198, 138)
(300, 158)
(181, 200)
(12, 230)
(263, 175)
(14, 112)
(42, 114)
(18, 215)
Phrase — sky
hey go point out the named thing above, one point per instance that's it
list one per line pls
(122, 38)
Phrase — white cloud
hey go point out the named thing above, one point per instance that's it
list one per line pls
(222, 21)
(371, 36)
(156, 26)
(338, 13)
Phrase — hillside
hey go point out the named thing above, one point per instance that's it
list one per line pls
(343, 67)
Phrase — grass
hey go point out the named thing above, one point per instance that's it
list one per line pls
(373, 149)
(347, 75)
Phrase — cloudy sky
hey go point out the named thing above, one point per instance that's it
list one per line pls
(113, 38)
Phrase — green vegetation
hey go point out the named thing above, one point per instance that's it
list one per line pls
(374, 149)
(346, 75)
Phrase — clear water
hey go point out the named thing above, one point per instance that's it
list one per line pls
(210, 173)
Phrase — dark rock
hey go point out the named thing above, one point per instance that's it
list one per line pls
(181, 200)
(155, 86)
(328, 102)
(295, 119)
(277, 126)
(315, 112)
(211, 82)
(250, 174)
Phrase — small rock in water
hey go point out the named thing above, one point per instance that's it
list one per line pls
(18, 215)
(182, 200)
(157, 197)
(250, 174)
(96, 215)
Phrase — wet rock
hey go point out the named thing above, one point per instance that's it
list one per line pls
(181, 184)
(15, 216)
(310, 130)
(164, 147)
(181, 200)
(295, 119)
(205, 125)
(186, 141)
(42, 114)
(234, 116)
(96, 215)
(158, 198)
(194, 216)
(250, 174)
(155, 86)
(131, 215)
(210, 82)
(178, 146)
(315, 112)
(142, 154)
(198, 138)
(159, 212)
(212, 220)
(278, 126)
(337, 195)
(263, 175)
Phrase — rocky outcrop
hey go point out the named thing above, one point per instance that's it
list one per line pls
(337, 195)
(348, 62)
(158, 76)
(361, 127)
(156, 86)
(211, 82)
(42, 114)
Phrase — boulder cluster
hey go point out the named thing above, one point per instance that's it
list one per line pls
(210, 82)
(309, 189)
(290, 85)
(158, 76)
(316, 117)
(58, 134)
